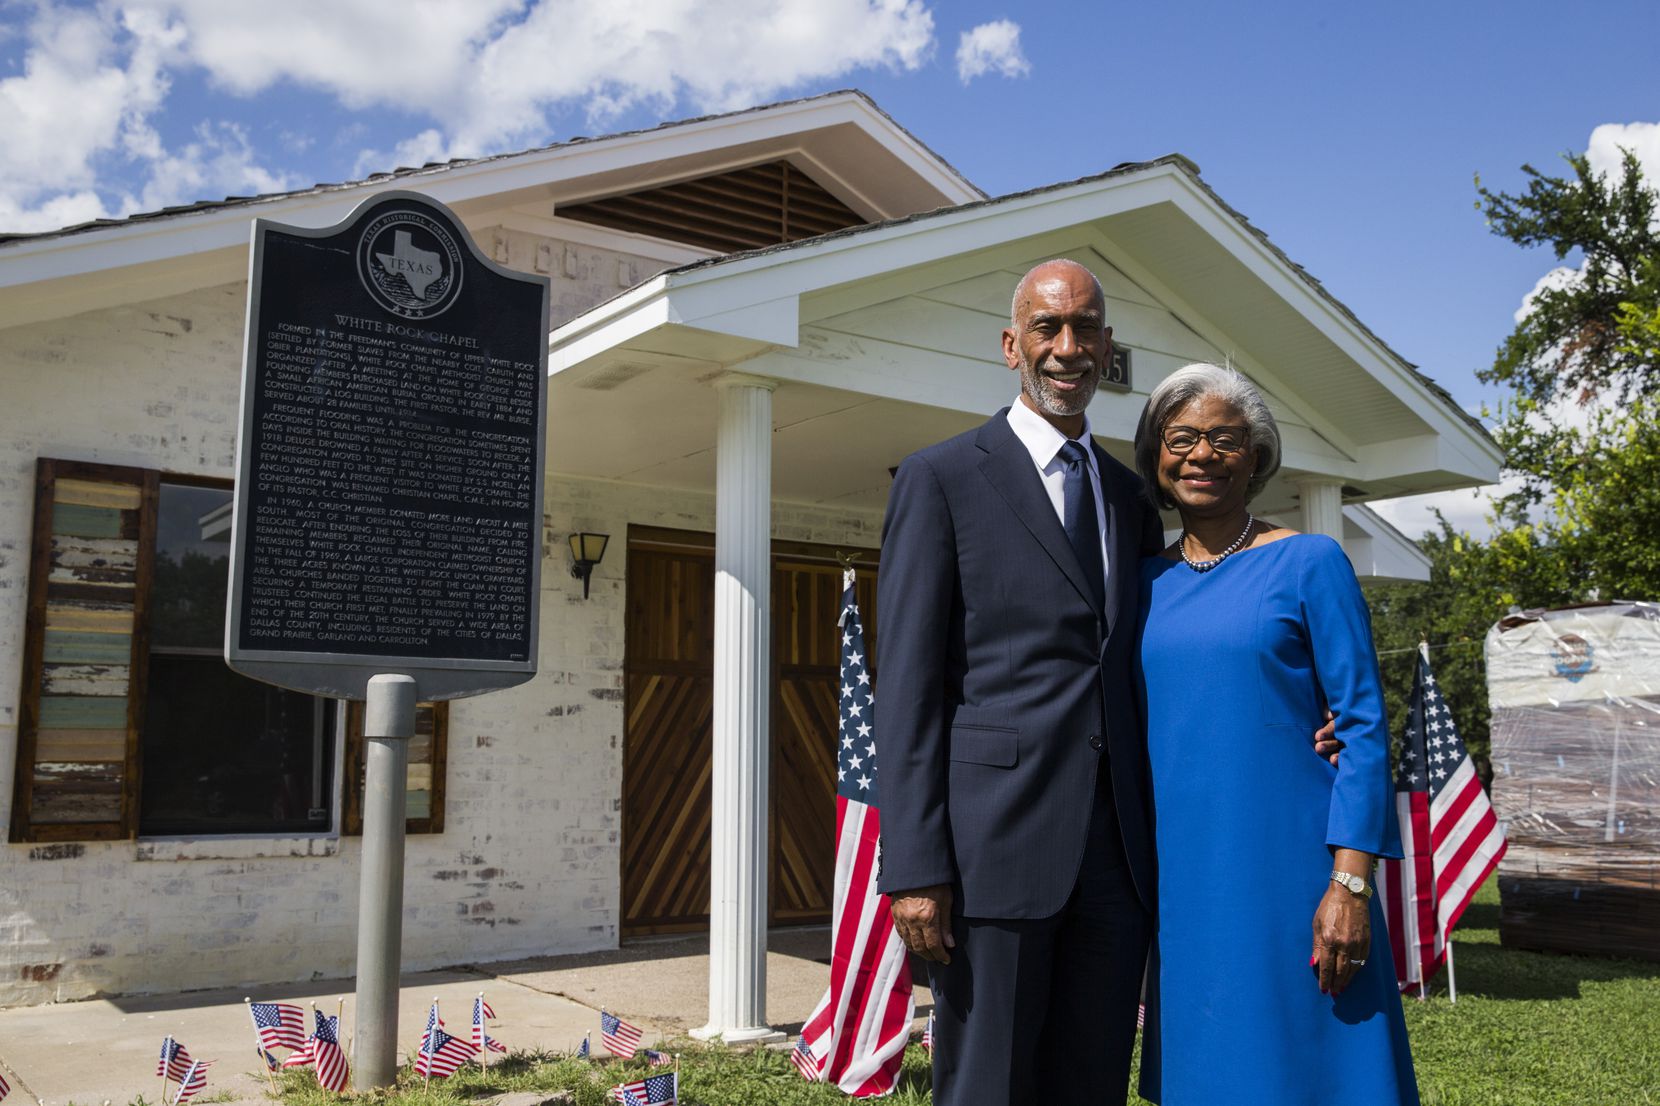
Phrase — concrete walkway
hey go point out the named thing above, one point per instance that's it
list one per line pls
(105, 1049)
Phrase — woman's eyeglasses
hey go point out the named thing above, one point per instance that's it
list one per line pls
(1181, 440)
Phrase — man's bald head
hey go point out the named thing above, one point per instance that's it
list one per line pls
(1061, 268)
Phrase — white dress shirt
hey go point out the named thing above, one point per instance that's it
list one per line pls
(1044, 442)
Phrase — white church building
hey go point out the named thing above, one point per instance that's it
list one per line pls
(755, 317)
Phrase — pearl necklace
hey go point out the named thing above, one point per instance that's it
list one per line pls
(1206, 566)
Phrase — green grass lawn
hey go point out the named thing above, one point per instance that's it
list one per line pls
(1529, 1029)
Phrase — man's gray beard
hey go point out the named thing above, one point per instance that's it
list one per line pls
(1037, 389)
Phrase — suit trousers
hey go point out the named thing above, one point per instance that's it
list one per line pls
(1030, 1011)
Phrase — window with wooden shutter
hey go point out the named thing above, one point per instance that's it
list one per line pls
(130, 723)
(424, 798)
(84, 653)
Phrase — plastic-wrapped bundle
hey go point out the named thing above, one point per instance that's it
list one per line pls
(1576, 777)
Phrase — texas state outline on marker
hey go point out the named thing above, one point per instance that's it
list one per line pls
(417, 266)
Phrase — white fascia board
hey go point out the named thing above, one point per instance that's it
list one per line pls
(1383, 553)
(1408, 457)
(1364, 349)
(924, 162)
(192, 232)
(611, 324)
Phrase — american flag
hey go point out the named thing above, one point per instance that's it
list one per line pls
(327, 1057)
(481, 1039)
(653, 1090)
(174, 1062)
(441, 1054)
(5, 1088)
(859, 1031)
(618, 1036)
(928, 1034)
(658, 1059)
(1449, 837)
(805, 1063)
(195, 1078)
(582, 1053)
(279, 1024)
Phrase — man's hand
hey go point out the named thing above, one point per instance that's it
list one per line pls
(923, 918)
(1325, 739)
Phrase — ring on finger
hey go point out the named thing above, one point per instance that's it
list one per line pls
(1358, 963)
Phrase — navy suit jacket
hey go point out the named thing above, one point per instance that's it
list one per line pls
(1003, 693)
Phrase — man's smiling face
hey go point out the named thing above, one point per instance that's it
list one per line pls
(1059, 342)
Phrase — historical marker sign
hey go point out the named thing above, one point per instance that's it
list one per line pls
(389, 469)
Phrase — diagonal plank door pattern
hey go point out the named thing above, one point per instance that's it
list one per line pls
(668, 739)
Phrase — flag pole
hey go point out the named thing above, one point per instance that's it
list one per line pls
(259, 1044)
(426, 1046)
(165, 1041)
(339, 1021)
(1452, 985)
(316, 1074)
(483, 1035)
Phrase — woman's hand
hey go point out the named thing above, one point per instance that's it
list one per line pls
(1342, 928)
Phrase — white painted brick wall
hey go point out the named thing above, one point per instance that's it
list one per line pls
(528, 862)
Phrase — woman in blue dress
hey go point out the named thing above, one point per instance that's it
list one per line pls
(1271, 980)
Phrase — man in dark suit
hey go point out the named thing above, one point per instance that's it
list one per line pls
(1017, 843)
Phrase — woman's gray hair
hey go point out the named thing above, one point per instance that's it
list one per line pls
(1198, 381)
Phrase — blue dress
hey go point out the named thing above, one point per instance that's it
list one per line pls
(1235, 668)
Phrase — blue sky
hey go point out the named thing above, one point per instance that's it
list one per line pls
(1350, 133)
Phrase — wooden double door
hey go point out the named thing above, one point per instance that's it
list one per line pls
(668, 735)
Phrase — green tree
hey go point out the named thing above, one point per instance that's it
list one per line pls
(1593, 338)
(1584, 525)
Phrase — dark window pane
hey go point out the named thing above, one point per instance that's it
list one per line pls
(222, 753)
(193, 543)
(226, 754)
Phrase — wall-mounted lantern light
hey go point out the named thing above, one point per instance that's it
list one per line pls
(587, 550)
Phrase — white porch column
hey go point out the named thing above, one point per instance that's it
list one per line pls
(738, 829)
(1322, 499)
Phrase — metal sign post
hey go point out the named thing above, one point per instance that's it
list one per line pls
(386, 544)
(388, 724)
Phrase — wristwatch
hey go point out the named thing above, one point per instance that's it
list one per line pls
(1355, 885)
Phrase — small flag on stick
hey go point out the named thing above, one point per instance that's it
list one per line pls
(582, 1053)
(440, 1054)
(278, 1024)
(802, 1057)
(195, 1078)
(618, 1036)
(174, 1062)
(482, 1039)
(653, 1090)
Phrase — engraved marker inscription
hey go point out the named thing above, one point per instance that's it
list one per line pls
(388, 506)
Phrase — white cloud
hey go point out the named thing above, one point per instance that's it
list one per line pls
(1559, 277)
(1467, 509)
(991, 48)
(1643, 139)
(481, 76)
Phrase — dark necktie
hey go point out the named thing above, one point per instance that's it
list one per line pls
(1083, 530)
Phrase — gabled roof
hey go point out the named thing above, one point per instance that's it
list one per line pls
(408, 176)
(1190, 169)
(905, 312)
(842, 140)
